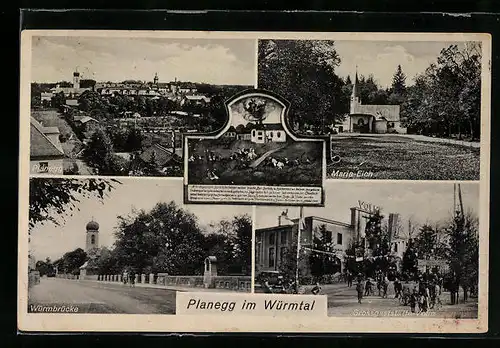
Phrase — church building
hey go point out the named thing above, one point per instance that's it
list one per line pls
(371, 118)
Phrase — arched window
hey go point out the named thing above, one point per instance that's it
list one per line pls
(92, 239)
(271, 134)
(278, 134)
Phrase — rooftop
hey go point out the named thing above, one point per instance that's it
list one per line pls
(41, 146)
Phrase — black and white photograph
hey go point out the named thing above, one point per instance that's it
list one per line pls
(387, 249)
(256, 148)
(109, 246)
(119, 106)
(407, 110)
(219, 181)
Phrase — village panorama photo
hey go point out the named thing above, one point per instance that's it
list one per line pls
(120, 106)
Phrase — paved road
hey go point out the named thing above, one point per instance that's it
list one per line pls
(343, 302)
(94, 297)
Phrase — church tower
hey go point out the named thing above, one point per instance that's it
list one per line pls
(92, 236)
(354, 94)
(76, 80)
(155, 80)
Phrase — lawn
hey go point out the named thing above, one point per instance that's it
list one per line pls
(233, 172)
(403, 158)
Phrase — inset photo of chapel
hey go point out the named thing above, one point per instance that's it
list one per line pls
(408, 110)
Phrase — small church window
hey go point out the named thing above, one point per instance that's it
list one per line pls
(92, 239)
(278, 134)
(271, 134)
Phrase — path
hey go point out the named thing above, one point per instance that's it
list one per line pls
(261, 159)
(98, 297)
(419, 137)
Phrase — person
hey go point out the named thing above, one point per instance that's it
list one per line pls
(125, 276)
(359, 290)
(437, 294)
(132, 279)
(267, 287)
(316, 289)
(397, 287)
(349, 279)
(368, 287)
(413, 300)
(385, 285)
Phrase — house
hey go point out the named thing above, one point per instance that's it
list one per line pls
(46, 152)
(161, 154)
(195, 100)
(243, 132)
(273, 243)
(230, 134)
(86, 124)
(371, 118)
(46, 96)
(270, 132)
(72, 102)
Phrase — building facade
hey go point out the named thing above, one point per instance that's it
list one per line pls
(272, 243)
(371, 118)
(270, 132)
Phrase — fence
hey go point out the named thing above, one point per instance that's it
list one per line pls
(234, 283)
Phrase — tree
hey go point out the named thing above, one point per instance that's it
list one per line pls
(51, 199)
(462, 252)
(45, 268)
(322, 262)
(399, 82)
(166, 239)
(445, 99)
(410, 263)
(99, 154)
(426, 242)
(231, 242)
(133, 140)
(303, 71)
(72, 261)
(58, 100)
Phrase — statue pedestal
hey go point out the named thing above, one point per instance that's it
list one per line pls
(210, 272)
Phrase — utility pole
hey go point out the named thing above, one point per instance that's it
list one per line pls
(299, 233)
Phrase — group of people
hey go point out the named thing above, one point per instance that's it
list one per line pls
(421, 293)
(128, 277)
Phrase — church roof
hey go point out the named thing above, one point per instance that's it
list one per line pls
(93, 225)
(389, 112)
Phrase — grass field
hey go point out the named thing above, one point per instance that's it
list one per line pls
(231, 173)
(403, 158)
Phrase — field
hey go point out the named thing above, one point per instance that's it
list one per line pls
(405, 158)
(307, 172)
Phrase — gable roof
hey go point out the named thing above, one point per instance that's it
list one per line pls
(41, 146)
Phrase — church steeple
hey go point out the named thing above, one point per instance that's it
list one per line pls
(354, 94)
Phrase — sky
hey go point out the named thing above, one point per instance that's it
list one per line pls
(381, 58)
(422, 201)
(53, 241)
(218, 61)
